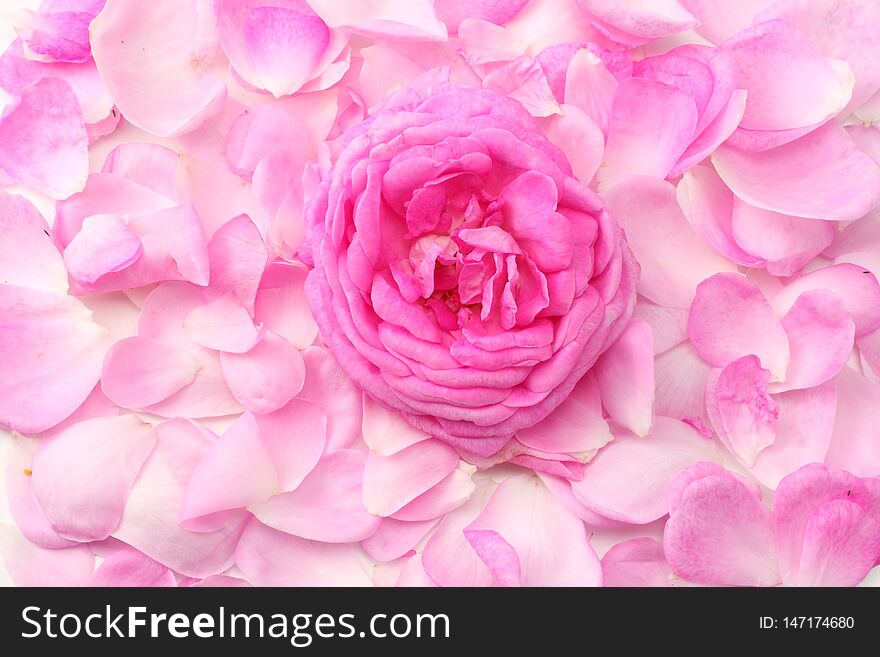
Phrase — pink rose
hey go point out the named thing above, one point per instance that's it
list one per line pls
(461, 275)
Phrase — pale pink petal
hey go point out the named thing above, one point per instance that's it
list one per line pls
(223, 324)
(453, 490)
(150, 520)
(820, 333)
(335, 394)
(414, 19)
(785, 243)
(51, 351)
(523, 79)
(104, 244)
(386, 432)
(841, 29)
(650, 126)
(544, 23)
(28, 564)
(85, 503)
(743, 413)
(131, 568)
(854, 446)
(819, 176)
(275, 46)
(680, 383)
(625, 373)
(708, 205)
(633, 22)
(579, 138)
(414, 575)
(720, 534)
(262, 129)
(719, 20)
(166, 47)
(150, 165)
(590, 87)
(295, 437)
(43, 150)
(790, 84)
(668, 325)
(527, 538)
(576, 426)
(28, 258)
(237, 470)
(141, 371)
(390, 482)
(730, 318)
(448, 558)
(855, 287)
(267, 377)
(637, 562)
(327, 505)
(453, 12)
(827, 533)
(803, 433)
(271, 558)
(281, 305)
(105, 194)
(394, 538)
(238, 258)
(629, 479)
(673, 258)
(23, 507)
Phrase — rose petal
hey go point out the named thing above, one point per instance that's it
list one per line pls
(731, 318)
(167, 48)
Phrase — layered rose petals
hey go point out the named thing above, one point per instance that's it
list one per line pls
(440, 293)
(478, 326)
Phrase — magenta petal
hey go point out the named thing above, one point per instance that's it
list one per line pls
(85, 503)
(827, 528)
(52, 352)
(743, 414)
(43, 150)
